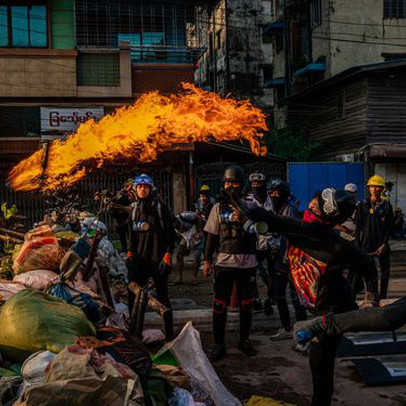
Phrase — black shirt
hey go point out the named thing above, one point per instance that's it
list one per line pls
(374, 224)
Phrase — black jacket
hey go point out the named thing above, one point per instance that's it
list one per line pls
(160, 238)
(325, 245)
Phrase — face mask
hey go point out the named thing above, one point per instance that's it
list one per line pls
(277, 202)
(259, 191)
(237, 191)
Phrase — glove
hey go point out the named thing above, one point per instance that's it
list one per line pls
(165, 265)
(304, 331)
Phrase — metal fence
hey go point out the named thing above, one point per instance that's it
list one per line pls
(33, 205)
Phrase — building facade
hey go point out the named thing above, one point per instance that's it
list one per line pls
(317, 39)
(237, 58)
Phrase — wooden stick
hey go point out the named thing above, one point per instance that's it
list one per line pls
(153, 303)
(6, 238)
(13, 233)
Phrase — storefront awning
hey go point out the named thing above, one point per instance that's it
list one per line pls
(311, 67)
(273, 83)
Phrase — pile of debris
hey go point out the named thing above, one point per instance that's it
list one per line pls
(66, 339)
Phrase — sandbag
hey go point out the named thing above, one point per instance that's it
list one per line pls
(33, 321)
(37, 280)
(40, 250)
(34, 368)
(9, 288)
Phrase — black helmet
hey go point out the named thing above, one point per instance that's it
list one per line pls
(337, 205)
(234, 173)
(281, 185)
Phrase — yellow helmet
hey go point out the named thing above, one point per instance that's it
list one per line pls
(376, 180)
(205, 188)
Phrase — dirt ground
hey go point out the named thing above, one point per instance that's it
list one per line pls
(277, 371)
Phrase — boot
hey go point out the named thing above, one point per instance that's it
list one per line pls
(268, 309)
(217, 352)
(246, 347)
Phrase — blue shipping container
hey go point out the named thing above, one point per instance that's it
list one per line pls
(307, 178)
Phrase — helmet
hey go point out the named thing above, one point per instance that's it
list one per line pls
(281, 185)
(143, 179)
(376, 180)
(257, 177)
(234, 173)
(351, 187)
(336, 205)
(205, 188)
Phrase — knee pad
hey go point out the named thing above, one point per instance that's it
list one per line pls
(246, 305)
(219, 306)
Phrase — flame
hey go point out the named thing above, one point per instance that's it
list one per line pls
(154, 123)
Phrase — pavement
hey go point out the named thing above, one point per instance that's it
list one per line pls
(277, 371)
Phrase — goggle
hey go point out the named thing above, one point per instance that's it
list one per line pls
(257, 177)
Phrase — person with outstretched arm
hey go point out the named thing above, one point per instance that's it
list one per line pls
(317, 257)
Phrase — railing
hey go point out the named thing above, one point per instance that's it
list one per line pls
(164, 54)
(33, 206)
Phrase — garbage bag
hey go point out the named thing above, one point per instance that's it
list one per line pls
(95, 310)
(9, 288)
(39, 251)
(34, 368)
(9, 387)
(32, 321)
(83, 377)
(187, 349)
(36, 280)
(122, 347)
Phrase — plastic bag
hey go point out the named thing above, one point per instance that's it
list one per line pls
(181, 397)
(188, 351)
(32, 321)
(79, 377)
(37, 280)
(39, 251)
(95, 310)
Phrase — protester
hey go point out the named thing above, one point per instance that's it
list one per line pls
(347, 228)
(205, 203)
(374, 223)
(258, 183)
(284, 205)
(123, 198)
(188, 225)
(151, 244)
(317, 258)
(235, 262)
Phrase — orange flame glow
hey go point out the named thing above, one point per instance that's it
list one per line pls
(153, 124)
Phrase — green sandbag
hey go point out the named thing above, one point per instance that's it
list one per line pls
(33, 321)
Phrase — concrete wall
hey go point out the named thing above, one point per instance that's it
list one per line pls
(396, 173)
(357, 34)
(37, 73)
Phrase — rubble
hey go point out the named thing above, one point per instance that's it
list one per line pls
(65, 328)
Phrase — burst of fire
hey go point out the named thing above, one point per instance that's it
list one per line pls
(153, 124)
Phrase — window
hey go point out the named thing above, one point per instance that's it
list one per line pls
(23, 26)
(218, 34)
(394, 9)
(156, 32)
(315, 13)
(20, 121)
(98, 69)
(394, 57)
